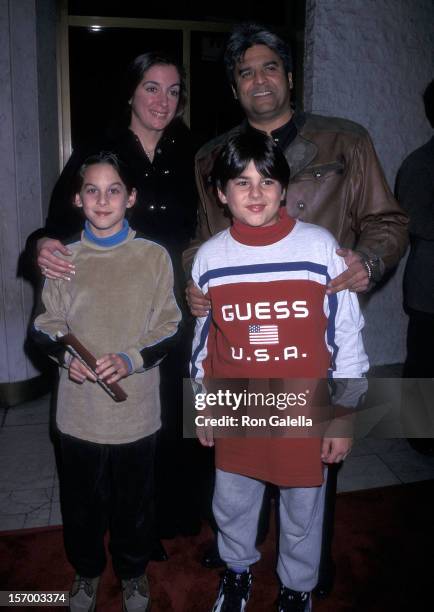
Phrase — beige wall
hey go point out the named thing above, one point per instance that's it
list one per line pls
(370, 61)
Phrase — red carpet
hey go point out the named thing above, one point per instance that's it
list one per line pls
(384, 550)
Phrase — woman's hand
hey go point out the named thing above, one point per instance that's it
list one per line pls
(111, 368)
(51, 265)
(198, 303)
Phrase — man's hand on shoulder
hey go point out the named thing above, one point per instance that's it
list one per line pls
(355, 278)
(198, 303)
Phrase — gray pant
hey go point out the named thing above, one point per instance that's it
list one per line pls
(236, 505)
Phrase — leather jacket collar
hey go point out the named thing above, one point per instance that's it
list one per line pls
(301, 152)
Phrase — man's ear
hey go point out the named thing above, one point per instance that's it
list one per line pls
(283, 196)
(223, 199)
(234, 91)
(132, 198)
(77, 201)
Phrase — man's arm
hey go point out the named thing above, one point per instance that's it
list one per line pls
(203, 231)
(199, 305)
(211, 214)
(377, 219)
(210, 220)
(202, 234)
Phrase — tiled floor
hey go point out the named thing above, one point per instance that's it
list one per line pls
(29, 493)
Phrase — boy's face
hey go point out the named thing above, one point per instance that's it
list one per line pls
(253, 199)
(104, 199)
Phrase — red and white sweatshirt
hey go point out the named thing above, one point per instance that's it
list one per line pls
(271, 318)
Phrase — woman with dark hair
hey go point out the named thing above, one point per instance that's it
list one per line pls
(157, 148)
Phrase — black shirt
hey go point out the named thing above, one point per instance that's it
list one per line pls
(165, 209)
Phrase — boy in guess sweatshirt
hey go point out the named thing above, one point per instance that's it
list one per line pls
(271, 317)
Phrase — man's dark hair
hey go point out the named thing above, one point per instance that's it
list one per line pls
(428, 100)
(105, 157)
(247, 34)
(142, 63)
(240, 149)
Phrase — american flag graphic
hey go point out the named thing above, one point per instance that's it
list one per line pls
(263, 334)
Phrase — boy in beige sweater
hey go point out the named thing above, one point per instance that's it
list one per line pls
(120, 305)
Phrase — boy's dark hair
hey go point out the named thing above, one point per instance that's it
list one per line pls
(142, 63)
(105, 157)
(247, 34)
(240, 149)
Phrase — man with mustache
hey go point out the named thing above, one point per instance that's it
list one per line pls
(336, 182)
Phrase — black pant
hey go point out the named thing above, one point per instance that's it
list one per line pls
(107, 486)
(177, 468)
(417, 408)
(420, 341)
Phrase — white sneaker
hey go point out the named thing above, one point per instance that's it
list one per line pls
(82, 596)
(135, 594)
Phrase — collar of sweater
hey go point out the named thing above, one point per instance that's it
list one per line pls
(261, 236)
(109, 241)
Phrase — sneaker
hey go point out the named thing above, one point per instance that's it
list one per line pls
(82, 596)
(135, 594)
(293, 601)
(234, 592)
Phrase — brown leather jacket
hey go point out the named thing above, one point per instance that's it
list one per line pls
(336, 182)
